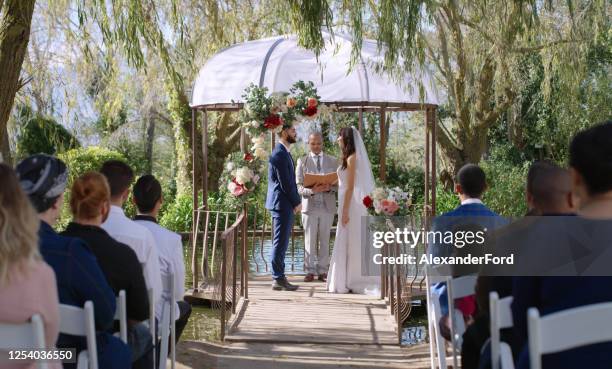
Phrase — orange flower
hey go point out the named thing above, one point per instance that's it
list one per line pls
(291, 102)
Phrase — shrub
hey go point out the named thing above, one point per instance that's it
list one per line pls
(43, 135)
(80, 161)
(177, 215)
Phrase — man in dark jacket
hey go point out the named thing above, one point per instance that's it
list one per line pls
(283, 201)
(78, 275)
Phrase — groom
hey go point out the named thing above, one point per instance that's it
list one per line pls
(283, 201)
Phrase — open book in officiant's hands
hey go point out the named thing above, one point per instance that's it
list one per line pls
(312, 179)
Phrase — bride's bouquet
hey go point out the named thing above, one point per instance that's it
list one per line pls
(388, 202)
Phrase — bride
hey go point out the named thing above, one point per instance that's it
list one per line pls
(346, 271)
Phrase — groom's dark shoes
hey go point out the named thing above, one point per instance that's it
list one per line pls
(282, 284)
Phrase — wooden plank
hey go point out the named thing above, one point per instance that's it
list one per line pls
(312, 315)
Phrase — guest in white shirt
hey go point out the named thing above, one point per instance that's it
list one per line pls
(125, 230)
(147, 195)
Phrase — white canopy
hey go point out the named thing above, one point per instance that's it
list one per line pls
(278, 62)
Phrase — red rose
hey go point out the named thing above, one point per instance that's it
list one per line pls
(368, 202)
(310, 111)
(272, 121)
(312, 102)
(248, 157)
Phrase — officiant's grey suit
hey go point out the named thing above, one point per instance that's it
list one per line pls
(318, 211)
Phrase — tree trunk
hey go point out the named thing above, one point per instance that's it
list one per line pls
(178, 106)
(149, 138)
(14, 36)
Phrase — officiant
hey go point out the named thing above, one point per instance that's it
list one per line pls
(318, 207)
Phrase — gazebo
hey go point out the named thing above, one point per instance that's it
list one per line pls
(277, 63)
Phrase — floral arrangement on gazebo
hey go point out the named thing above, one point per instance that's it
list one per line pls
(263, 113)
(388, 202)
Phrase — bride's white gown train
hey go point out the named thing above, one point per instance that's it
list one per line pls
(345, 268)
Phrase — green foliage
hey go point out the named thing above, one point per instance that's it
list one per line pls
(80, 161)
(87, 159)
(38, 134)
(506, 192)
(445, 200)
(177, 215)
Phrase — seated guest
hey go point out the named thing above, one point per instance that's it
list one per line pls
(548, 192)
(120, 176)
(591, 171)
(90, 205)
(79, 277)
(27, 283)
(147, 195)
(470, 185)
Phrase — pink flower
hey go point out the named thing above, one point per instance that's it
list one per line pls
(312, 102)
(235, 188)
(389, 207)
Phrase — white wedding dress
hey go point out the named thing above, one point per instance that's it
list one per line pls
(347, 271)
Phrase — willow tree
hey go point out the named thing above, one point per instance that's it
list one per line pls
(15, 21)
(475, 47)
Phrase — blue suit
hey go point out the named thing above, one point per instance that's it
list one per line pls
(281, 199)
(483, 216)
(79, 279)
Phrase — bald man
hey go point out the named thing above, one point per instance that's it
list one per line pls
(318, 208)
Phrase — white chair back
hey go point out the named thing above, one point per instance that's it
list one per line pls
(500, 313)
(151, 321)
(588, 325)
(457, 288)
(437, 348)
(78, 321)
(121, 315)
(29, 335)
(168, 322)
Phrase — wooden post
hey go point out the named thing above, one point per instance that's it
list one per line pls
(204, 161)
(194, 217)
(360, 121)
(433, 161)
(383, 144)
(245, 253)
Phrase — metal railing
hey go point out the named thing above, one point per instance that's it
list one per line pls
(401, 283)
(234, 270)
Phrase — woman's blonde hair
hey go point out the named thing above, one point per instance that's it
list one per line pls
(19, 225)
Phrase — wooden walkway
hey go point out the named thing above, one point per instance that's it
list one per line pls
(306, 329)
(312, 315)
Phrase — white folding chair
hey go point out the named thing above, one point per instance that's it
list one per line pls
(29, 335)
(457, 288)
(121, 315)
(151, 321)
(588, 325)
(437, 348)
(78, 321)
(168, 322)
(500, 313)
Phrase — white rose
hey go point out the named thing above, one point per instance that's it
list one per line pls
(254, 123)
(260, 153)
(229, 166)
(244, 175)
(378, 194)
